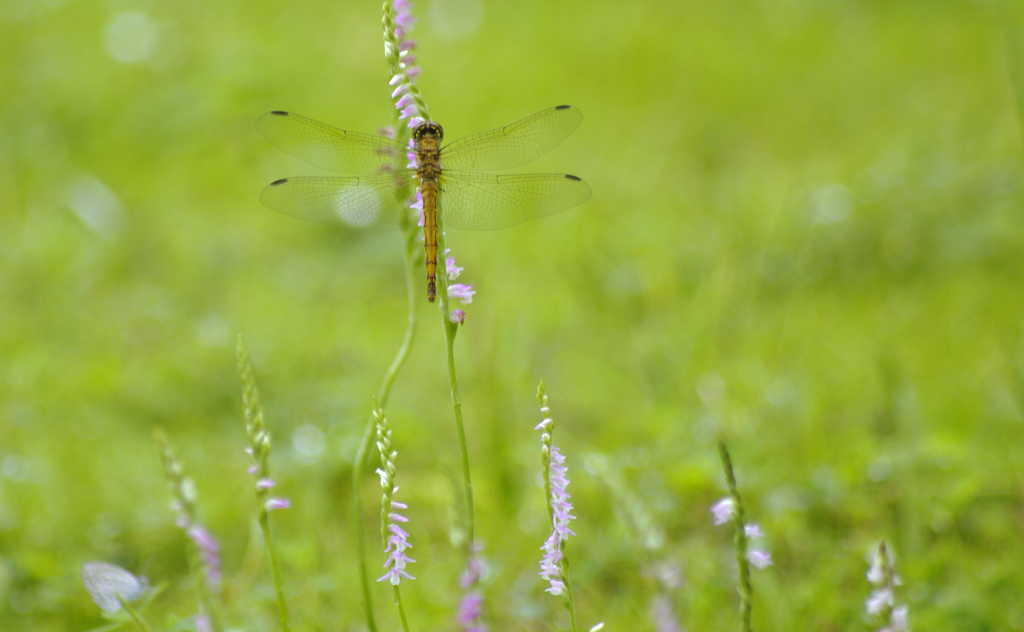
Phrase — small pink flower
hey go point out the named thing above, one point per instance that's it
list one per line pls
(458, 317)
(724, 510)
(462, 292)
(277, 503)
(203, 623)
(898, 620)
(759, 558)
(880, 599)
(452, 270)
(753, 531)
(264, 483)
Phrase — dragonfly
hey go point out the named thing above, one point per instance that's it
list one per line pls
(448, 177)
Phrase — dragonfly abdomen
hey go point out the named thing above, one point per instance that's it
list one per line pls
(428, 191)
(427, 138)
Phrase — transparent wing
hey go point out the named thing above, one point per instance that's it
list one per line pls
(327, 147)
(512, 145)
(365, 203)
(478, 201)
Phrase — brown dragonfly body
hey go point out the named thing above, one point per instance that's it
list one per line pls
(427, 140)
(468, 199)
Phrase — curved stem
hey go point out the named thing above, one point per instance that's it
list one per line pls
(568, 598)
(740, 540)
(450, 329)
(134, 614)
(275, 570)
(370, 432)
(401, 609)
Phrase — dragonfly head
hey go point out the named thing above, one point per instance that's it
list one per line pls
(431, 131)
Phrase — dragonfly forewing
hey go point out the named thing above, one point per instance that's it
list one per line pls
(366, 203)
(479, 201)
(512, 145)
(328, 147)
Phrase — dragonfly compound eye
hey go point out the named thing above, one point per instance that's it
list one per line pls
(428, 130)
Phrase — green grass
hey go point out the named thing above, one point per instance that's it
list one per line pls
(818, 203)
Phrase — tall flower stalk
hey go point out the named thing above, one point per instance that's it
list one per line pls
(451, 327)
(554, 568)
(881, 605)
(203, 553)
(259, 450)
(731, 508)
(399, 53)
(396, 540)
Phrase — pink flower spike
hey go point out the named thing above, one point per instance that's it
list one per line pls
(406, 99)
(397, 79)
(401, 89)
(408, 61)
(724, 510)
(406, 45)
(416, 121)
(462, 292)
(264, 483)
(413, 72)
(253, 469)
(409, 111)
(403, 5)
(277, 503)
(458, 317)
(753, 531)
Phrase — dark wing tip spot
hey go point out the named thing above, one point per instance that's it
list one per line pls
(562, 107)
(283, 180)
(279, 113)
(567, 177)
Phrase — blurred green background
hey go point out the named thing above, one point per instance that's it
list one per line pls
(805, 233)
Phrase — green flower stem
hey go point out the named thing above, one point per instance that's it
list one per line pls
(275, 569)
(371, 432)
(256, 428)
(547, 441)
(450, 329)
(401, 609)
(740, 541)
(134, 614)
(568, 595)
